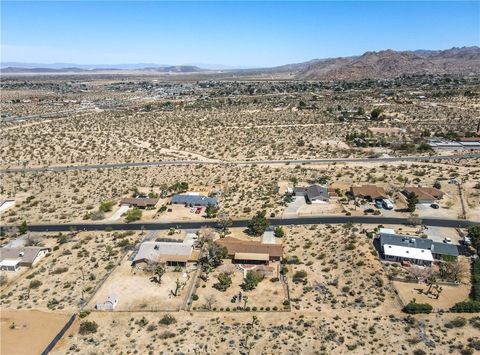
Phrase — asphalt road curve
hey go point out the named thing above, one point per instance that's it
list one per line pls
(253, 162)
(434, 222)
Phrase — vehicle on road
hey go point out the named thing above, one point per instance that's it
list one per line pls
(435, 206)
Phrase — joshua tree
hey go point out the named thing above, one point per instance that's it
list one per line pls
(245, 300)
(159, 272)
(431, 281)
(178, 286)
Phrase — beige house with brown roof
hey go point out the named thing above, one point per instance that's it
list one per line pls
(246, 251)
(424, 194)
(369, 192)
(140, 202)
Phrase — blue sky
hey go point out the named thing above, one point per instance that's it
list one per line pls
(228, 33)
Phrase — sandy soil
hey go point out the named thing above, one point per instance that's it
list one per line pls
(449, 296)
(28, 332)
(136, 291)
(266, 294)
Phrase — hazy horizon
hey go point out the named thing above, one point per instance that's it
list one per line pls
(227, 34)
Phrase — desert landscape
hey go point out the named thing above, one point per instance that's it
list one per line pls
(317, 193)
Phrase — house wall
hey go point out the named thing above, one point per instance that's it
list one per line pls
(413, 261)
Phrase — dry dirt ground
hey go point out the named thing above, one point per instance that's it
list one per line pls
(71, 196)
(266, 294)
(68, 274)
(28, 332)
(136, 291)
(345, 304)
(449, 296)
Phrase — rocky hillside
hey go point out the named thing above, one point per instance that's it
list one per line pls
(390, 64)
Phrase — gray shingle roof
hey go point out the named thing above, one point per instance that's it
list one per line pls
(419, 243)
(194, 200)
(317, 191)
(28, 255)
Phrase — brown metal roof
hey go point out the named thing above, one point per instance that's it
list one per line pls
(252, 256)
(235, 245)
(140, 202)
(371, 191)
(425, 193)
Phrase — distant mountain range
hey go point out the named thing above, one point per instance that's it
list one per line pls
(374, 65)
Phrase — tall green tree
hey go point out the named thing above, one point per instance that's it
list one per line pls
(474, 235)
(258, 223)
(412, 201)
(211, 211)
(23, 228)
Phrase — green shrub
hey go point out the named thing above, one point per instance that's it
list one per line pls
(133, 215)
(35, 284)
(167, 319)
(299, 276)
(88, 327)
(456, 323)
(83, 314)
(466, 307)
(251, 280)
(106, 206)
(415, 308)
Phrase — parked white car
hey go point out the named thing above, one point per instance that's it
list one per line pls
(447, 241)
(387, 204)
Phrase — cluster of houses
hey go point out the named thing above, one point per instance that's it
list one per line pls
(470, 143)
(318, 194)
(415, 250)
(190, 199)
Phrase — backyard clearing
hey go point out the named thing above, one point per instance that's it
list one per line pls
(449, 296)
(266, 294)
(136, 291)
(29, 332)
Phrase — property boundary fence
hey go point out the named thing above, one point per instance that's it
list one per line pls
(102, 281)
(59, 335)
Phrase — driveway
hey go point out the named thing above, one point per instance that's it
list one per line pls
(118, 213)
(293, 207)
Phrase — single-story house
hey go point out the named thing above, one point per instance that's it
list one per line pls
(313, 193)
(421, 251)
(109, 304)
(424, 194)
(140, 202)
(251, 252)
(170, 253)
(368, 192)
(466, 143)
(193, 199)
(12, 258)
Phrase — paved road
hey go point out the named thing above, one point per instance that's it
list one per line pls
(436, 222)
(253, 162)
